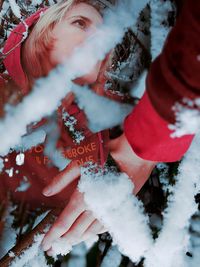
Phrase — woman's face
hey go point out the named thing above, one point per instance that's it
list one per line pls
(80, 22)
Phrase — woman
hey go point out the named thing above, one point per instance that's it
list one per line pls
(53, 34)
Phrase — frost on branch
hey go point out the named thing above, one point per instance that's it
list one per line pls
(33, 256)
(109, 195)
(112, 112)
(173, 241)
(187, 116)
(160, 10)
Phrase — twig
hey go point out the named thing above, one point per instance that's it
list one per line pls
(28, 240)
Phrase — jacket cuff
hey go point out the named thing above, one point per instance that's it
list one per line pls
(149, 135)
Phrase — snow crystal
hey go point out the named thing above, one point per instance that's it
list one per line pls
(20, 159)
(10, 172)
(70, 123)
(164, 178)
(11, 254)
(194, 241)
(24, 185)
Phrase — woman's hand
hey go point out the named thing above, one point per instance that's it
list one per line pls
(135, 167)
(75, 224)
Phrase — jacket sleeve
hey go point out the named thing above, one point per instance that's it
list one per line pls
(149, 135)
(172, 76)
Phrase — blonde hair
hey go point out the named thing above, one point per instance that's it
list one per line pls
(36, 49)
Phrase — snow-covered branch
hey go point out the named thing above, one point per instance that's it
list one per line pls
(110, 196)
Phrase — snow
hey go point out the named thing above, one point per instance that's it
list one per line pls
(159, 14)
(70, 123)
(194, 241)
(30, 140)
(15, 8)
(11, 254)
(36, 2)
(20, 159)
(187, 116)
(109, 196)
(50, 150)
(1, 164)
(164, 179)
(60, 246)
(173, 239)
(102, 113)
(113, 258)
(10, 172)
(139, 89)
(8, 235)
(24, 185)
(33, 256)
(39, 219)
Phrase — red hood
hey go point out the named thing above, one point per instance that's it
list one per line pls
(12, 61)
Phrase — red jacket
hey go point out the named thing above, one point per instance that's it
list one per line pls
(35, 169)
(175, 74)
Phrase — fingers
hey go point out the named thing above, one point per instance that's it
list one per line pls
(69, 215)
(79, 227)
(71, 172)
(94, 229)
(84, 228)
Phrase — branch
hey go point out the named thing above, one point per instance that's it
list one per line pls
(27, 241)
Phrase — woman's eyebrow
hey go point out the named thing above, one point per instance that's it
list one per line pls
(82, 17)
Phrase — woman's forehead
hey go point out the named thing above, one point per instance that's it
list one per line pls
(85, 10)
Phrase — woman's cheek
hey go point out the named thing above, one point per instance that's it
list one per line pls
(91, 77)
(65, 44)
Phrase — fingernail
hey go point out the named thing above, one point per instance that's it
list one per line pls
(47, 192)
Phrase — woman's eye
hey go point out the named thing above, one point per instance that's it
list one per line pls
(80, 23)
